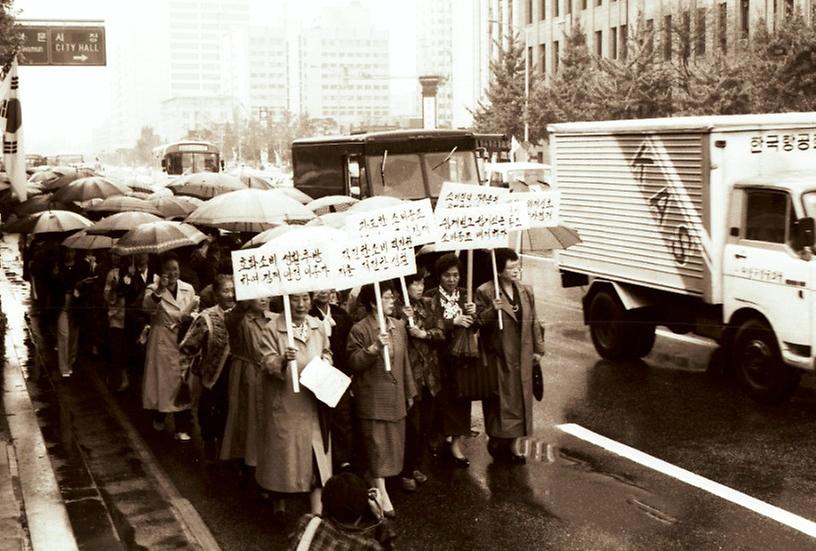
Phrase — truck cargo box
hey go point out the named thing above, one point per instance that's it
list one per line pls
(649, 197)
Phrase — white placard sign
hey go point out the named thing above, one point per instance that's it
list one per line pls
(542, 207)
(255, 273)
(460, 196)
(412, 219)
(309, 267)
(486, 227)
(324, 380)
(366, 260)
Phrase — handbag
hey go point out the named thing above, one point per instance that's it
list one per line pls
(538, 381)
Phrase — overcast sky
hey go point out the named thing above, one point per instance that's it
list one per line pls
(62, 105)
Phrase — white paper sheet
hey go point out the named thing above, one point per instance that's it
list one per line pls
(326, 381)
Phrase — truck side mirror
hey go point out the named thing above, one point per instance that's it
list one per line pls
(804, 233)
(222, 165)
(164, 164)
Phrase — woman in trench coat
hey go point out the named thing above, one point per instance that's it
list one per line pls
(169, 302)
(294, 454)
(510, 351)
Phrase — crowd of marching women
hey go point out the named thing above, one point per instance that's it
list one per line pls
(210, 367)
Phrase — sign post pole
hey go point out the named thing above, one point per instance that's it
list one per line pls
(496, 285)
(381, 318)
(290, 342)
(406, 299)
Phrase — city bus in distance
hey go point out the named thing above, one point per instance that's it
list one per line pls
(409, 164)
(187, 157)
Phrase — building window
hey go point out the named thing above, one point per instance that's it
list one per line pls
(555, 57)
(583, 4)
(685, 37)
(599, 2)
(543, 12)
(745, 13)
(613, 43)
(649, 46)
(598, 43)
(529, 61)
(722, 26)
(700, 32)
(667, 37)
(568, 7)
(788, 8)
(542, 59)
(529, 12)
(555, 7)
(623, 40)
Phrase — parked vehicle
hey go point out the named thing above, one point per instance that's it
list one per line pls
(519, 176)
(186, 157)
(410, 164)
(701, 224)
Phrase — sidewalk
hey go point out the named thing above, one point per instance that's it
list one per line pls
(32, 512)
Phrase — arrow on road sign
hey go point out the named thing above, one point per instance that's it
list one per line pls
(82, 57)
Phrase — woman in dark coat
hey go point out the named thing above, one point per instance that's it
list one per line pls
(382, 397)
(448, 303)
(511, 352)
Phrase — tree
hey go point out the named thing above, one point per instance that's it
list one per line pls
(10, 40)
(148, 140)
(504, 110)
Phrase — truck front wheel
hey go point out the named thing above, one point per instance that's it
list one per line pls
(607, 326)
(755, 356)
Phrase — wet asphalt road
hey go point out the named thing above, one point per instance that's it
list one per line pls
(571, 494)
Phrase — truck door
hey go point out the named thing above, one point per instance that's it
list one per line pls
(761, 268)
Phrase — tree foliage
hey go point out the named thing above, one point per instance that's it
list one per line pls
(10, 40)
(772, 70)
(503, 111)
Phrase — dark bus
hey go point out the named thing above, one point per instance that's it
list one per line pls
(187, 157)
(409, 164)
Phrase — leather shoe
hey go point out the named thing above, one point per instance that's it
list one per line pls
(462, 462)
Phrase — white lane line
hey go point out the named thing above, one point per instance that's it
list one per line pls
(743, 500)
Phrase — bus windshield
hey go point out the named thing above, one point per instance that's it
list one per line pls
(404, 172)
(188, 162)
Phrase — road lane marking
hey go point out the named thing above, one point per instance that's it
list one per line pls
(724, 492)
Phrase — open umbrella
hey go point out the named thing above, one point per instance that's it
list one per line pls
(331, 203)
(331, 219)
(49, 174)
(250, 210)
(255, 181)
(58, 221)
(122, 222)
(205, 185)
(266, 236)
(175, 206)
(122, 203)
(82, 240)
(91, 187)
(374, 203)
(41, 203)
(295, 194)
(161, 192)
(158, 237)
(546, 239)
(68, 177)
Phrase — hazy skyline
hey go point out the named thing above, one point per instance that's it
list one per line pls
(63, 105)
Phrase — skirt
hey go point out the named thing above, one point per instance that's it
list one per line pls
(241, 428)
(384, 443)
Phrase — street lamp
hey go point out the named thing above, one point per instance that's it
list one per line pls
(526, 74)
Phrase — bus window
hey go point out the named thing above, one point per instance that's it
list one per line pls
(403, 176)
(461, 167)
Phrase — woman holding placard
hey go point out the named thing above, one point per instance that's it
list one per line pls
(294, 454)
(382, 397)
(449, 303)
(510, 352)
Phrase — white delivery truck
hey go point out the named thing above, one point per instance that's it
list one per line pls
(701, 224)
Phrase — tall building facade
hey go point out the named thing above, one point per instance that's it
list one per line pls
(713, 25)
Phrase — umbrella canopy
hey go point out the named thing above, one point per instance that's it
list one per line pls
(331, 219)
(158, 237)
(91, 187)
(546, 239)
(161, 192)
(50, 174)
(68, 177)
(122, 222)
(250, 210)
(41, 203)
(175, 207)
(137, 185)
(266, 236)
(374, 203)
(256, 181)
(58, 221)
(331, 203)
(205, 185)
(81, 240)
(140, 194)
(295, 194)
(122, 203)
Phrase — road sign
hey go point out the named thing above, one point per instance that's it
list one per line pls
(63, 45)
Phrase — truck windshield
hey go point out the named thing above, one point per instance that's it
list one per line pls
(403, 172)
(461, 167)
(809, 200)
